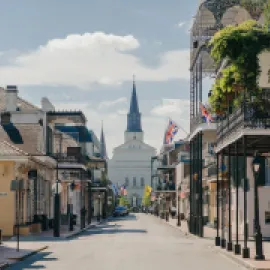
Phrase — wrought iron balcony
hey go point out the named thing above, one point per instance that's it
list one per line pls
(248, 116)
(166, 186)
(198, 120)
(64, 157)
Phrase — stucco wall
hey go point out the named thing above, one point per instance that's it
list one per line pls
(7, 218)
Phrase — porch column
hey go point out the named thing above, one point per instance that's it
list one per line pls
(217, 204)
(245, 251)
(222, 193)
(237, 246)
(229, 241)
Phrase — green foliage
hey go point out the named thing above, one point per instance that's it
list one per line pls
(254, 7)
(241, 45)
(146, 201)
(267, 14)
(123, 201)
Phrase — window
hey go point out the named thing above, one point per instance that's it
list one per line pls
(267, 217)
(142, 182)
(134, 181)
(126, 181)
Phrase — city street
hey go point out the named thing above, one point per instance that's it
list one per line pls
(135, 242)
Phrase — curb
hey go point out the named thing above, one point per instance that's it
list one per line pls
(29, 254)
(81, 231)
(225, 253)
(238, 260)
(19, 259)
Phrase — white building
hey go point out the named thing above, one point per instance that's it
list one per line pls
(131, 161)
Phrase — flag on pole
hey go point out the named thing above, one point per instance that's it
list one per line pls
(123, 191)
(171, 131)
(115, 189)
(207, 116)
(147, 190)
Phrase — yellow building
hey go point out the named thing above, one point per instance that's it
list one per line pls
(35, 197)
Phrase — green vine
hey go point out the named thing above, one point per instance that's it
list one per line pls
(241, 45)
(254, 7)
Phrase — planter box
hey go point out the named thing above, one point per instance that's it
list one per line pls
(35, 228)
(23, 230)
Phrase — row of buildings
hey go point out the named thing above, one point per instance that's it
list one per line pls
(209, 176)
(48, 151)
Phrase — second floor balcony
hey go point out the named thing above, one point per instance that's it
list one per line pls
(250, 117)
(69, 158)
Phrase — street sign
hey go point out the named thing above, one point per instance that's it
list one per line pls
(3, 194)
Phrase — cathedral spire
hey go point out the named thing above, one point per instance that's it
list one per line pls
(134, 108)
(103, 150)
(134, 116)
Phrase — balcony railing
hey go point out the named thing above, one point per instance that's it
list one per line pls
(249, 115)
(64, 157)
(168, 186)
(198, 120)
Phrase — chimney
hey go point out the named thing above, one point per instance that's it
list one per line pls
(46, 105)
(11, 97)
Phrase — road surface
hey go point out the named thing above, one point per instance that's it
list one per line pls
(136, 242)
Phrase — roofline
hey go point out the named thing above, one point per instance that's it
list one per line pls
(66, 113)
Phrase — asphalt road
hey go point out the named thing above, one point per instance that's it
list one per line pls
(136, 242)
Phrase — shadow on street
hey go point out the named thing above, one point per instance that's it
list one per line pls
(112, 231)
(29, 263)
(124, 218)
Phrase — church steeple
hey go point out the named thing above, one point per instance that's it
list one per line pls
(134, 116)
(103, 149)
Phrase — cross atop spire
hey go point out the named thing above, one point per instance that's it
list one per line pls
(134, 116)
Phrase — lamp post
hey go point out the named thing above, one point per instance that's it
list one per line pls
(258, 235)
(152, 175)
(99, 206)
(57, 187)
(178, 214)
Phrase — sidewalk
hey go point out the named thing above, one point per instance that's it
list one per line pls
(209, 235)
(9, 254)
(35, 243)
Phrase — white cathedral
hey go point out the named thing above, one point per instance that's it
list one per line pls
(131, 161)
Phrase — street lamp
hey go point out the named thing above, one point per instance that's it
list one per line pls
(99, 206)
(256, 164)
(178, 214)
(57, 188)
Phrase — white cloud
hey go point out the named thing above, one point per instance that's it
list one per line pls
(171, 107)
(112, 103)
(181, 24)
(81, 60)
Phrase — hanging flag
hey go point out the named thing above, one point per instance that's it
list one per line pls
(207, 116)
(115, 189)
(147, 190)
(123, 191)
(171, 131)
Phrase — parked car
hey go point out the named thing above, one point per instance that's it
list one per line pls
(120, 211)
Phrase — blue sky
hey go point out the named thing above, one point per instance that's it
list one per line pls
(82, 54)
